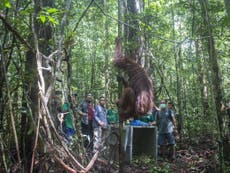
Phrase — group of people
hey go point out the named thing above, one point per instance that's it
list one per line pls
(94, 119)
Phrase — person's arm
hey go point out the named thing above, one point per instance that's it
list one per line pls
(79, 110)
(65, 108)
(97, 116)
(173, 118)
(156, 118)
(174, 123)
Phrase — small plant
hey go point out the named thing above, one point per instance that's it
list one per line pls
(161, 169)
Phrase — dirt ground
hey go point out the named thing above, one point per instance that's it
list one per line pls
(192, 156)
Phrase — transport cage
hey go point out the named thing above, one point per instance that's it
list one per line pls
(140, 140)
(136, 141)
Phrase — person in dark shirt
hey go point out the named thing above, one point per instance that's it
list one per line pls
(86, 111)
(166, 123)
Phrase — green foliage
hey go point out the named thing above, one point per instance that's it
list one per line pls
(49, 14)
(5, 4)
(165, 169)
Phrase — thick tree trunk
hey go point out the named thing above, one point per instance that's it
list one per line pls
(133, 34)
(30, 102)
(31, 89)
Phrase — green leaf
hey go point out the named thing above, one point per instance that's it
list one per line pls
(52, 20)
(7, 4)
(43, 18)
(52, 10)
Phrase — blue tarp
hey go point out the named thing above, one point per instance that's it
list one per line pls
(138, 123)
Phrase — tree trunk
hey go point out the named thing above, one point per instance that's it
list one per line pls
(201, 82)
(30, 102)
(106, 53)
(31, 88)
(120, 35)
(121, 133)
(134, 39)
(177, 58)
(216, 80)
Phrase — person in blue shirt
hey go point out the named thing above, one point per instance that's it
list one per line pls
(100, 123)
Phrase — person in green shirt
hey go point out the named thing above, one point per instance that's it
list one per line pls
(112, 115)
(68, 127)
(150, 117)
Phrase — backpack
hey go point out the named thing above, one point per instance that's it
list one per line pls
(170, 115)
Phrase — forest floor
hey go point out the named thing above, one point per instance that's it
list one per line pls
(192, 156)
(196, 155)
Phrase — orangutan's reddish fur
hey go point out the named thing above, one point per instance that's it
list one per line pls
(137, 97)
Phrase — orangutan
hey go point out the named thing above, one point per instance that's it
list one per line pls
(137, 96)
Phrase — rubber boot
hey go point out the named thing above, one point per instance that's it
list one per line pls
(162, 151)
(171, 154)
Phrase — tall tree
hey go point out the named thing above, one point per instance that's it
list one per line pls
(177, 59)
(132, 33)
(215, 74)
(31, 87)
(106, 53)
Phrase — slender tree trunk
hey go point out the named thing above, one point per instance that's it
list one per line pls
(216, 80)
(177, 58)
(93, 68)
(120, 35)
(201, 81)
(1, 93)
(121, 132)
(106, 53)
